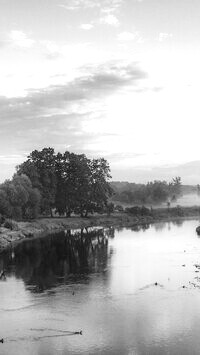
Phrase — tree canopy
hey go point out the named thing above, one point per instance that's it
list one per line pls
(153, 192)
(18, 198)
(68, 182)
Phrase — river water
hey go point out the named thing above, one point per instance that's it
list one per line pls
(131, 292)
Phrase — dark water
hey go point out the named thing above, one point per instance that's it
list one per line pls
(129, 291)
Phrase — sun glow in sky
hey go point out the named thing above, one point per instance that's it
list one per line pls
(112, 78)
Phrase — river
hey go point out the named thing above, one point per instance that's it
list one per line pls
(130, 292)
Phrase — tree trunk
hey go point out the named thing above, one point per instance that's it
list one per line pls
(51, 212)
(68, 213)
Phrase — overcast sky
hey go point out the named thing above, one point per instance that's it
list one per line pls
(112, 78)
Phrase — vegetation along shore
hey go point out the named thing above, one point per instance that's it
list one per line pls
(15, 231)
(51, 192)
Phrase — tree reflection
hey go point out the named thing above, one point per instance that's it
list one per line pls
(64, 257)
(178, 222)
(159, 226)
(139, 227)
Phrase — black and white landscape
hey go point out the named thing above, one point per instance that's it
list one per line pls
(99, 177)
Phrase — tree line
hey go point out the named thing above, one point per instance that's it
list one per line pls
(154, 192)
(60, 182)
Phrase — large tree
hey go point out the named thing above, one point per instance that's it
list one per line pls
(68, 182)
(40, 168)
(82, 184)
(18, 199)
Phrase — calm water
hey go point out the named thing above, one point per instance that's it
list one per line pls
(103, 283)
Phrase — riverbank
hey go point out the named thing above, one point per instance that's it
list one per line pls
(43, 226)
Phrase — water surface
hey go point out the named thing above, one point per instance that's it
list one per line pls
(130, 292)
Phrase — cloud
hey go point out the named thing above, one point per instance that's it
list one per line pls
(110, 19)
(106, 6)
(17, 38)
(58, 114)
(121, 156)
(129, 36)
(10, 159)
(20, 39)
(86, 26)
(164, 36)
(109, 7)
(96, 82)
(78, 4)
(189, 172)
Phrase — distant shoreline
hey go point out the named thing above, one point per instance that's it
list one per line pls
(44, 226)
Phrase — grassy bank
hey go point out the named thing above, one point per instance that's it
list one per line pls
(15, 231)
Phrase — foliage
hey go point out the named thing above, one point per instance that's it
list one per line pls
(18, 199)
(119, 208)
(68, 182)
(10, 224)
(138, 211)
(152, 193)
(40, 168)
(110, 208)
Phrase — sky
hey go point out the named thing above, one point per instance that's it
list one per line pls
(112, 78)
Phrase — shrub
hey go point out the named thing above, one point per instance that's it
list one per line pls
(119, 208)
(138, 211)
(10, 224)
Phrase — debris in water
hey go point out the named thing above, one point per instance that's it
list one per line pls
(197, 266)
(59, 333)
(66, 332)
(150, 285)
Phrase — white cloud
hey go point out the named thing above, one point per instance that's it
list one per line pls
(78, 4)
(111, 6)
(130, 36)
(106, 6)
(11, 158)
(163, 36)
(20, 39)
(86, 26)
(110, 19)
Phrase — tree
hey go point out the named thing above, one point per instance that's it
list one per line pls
(110, 208)
(82, 184)
(68, 182)
(40, 168)
(175, 187)
(100, 187)
(5, 207)
(16, 198)
(158, 191)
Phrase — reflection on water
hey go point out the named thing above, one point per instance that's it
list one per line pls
(130, 291)
(66, 256)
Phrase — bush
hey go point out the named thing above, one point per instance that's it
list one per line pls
(138, 211)
(109, 208)
(119, 208)
(2, 219)
(10, 224)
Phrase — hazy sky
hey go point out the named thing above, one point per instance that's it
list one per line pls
(112, 78)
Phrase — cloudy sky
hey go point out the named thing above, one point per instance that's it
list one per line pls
(112, 78)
